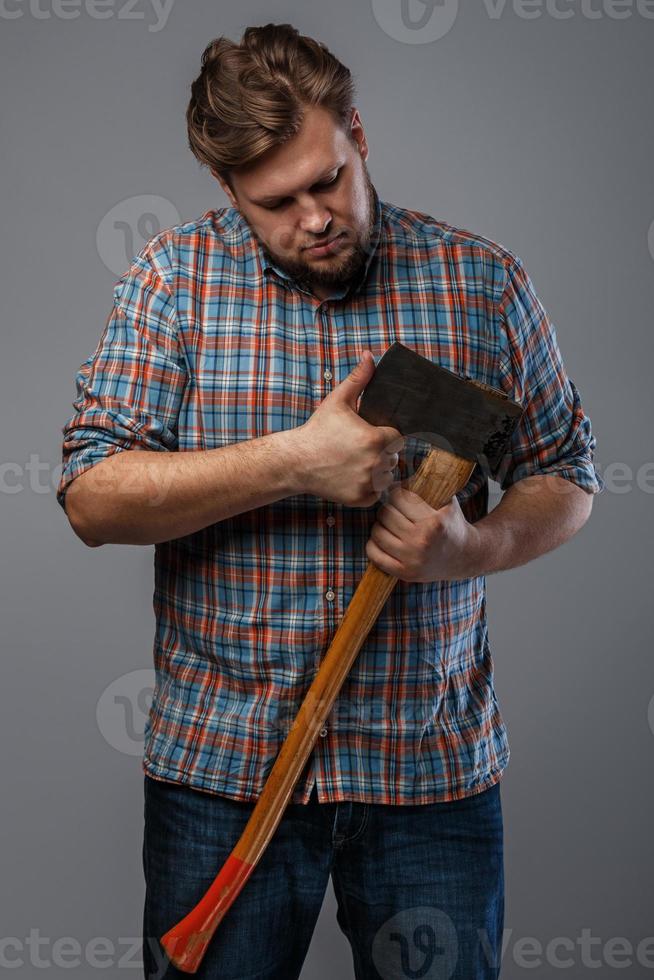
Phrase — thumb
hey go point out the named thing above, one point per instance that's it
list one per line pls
(352, 386)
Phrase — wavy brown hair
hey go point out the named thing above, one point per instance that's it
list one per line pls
(252, 96)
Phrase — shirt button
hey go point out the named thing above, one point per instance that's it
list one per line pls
(331, 520)
(323, 732)
(330, 595)
(327, 375)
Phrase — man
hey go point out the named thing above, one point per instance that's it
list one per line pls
(233, 360)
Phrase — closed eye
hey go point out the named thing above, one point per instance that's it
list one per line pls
(330, 183)
(320, 187)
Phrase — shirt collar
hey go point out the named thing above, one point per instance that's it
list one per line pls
(353, 287)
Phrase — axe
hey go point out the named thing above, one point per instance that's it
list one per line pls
(465, 422)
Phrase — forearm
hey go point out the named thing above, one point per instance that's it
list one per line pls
(140, 497)
(534, 516)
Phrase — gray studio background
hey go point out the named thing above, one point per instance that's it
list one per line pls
(528, 123)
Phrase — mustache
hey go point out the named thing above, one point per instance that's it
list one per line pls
(330, 238)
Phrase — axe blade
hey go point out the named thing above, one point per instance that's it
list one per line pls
(421, 399)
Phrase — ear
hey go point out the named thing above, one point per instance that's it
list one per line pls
(358, 133)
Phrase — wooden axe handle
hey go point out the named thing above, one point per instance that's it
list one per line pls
(440, 475)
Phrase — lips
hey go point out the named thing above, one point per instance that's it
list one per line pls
(322, 244)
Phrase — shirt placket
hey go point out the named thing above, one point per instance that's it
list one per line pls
(325, 383)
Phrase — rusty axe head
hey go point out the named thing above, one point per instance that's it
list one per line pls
(428, 402)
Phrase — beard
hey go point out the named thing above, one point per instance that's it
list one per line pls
(344, 269)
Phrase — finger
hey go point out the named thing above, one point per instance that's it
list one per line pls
(382, 560)
(452, 502)
(381, 480)
(395, 439)
(394, 520)
(389, 489)
(393, 459)
(390, 543)
(410, 504)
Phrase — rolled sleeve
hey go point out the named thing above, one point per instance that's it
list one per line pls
(554, 435)
(129, 390)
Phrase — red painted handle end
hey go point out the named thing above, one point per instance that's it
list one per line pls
(186, 943)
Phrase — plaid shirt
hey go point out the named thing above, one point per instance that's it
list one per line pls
(207, 344)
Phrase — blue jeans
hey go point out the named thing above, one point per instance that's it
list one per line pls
(419, 889)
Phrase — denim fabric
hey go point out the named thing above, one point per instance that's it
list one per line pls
(420, 888)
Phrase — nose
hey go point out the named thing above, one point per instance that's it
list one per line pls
(315, 217)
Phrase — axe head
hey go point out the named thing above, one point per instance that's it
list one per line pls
(421, 399)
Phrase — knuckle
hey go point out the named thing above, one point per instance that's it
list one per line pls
(422, 544)
(433, 525)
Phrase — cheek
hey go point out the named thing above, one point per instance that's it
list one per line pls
(280, 235)
(354, 204)
(349, 198)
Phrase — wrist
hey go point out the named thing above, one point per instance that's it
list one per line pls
(294, 454)
(487, 547)
(478, 550)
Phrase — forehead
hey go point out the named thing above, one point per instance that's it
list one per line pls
(320, 145)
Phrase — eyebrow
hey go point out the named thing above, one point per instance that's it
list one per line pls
(280, 197)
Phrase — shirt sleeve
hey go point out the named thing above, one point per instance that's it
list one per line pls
(554, 435)
(129, 390)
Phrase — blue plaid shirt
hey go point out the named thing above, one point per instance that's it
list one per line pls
(207, 345)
